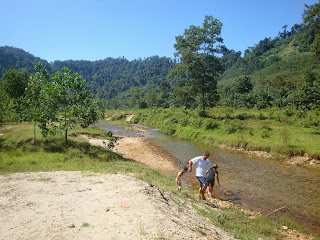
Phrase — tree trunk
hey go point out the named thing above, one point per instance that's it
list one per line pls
(66, 136)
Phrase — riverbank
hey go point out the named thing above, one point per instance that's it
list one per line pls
(287, 135)
(304, 160)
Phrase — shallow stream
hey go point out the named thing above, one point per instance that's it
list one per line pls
(258, 184)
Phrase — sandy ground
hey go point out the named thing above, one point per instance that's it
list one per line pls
(84, 205)
(141, 151)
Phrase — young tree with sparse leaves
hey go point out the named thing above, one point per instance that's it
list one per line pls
(73, 102)
(33, 96)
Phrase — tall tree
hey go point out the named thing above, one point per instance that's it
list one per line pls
(135, 95)
(243, 85)
(311, 18)
(196, 51)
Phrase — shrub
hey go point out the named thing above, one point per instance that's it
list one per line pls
(136, 119)
(196, 122)
(118, 117)
(208, 124)
(235, 126)
(301, 113)
(168, 129)
(262, 116)
(265, 134)
(266, 127)
(184, 121)
(289, 112)
(243, 116)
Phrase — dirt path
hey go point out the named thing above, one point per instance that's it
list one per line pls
(84, 205)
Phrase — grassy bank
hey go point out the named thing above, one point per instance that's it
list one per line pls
(18, 153)
(282, 133)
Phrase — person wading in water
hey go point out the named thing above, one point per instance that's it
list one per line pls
(201, 163)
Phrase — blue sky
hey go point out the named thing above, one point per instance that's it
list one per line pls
(97, 29)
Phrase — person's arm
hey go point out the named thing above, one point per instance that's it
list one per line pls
(218, 178)
(190, 166)
(209, 164)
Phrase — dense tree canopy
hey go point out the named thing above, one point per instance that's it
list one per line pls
(311, 16)
(15, 82)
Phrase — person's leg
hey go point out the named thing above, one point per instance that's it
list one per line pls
(199, 195)
(203, 187)
(210, 190)
(203, 190)
(179, 186)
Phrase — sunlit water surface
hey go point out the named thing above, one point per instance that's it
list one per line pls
(257, 184)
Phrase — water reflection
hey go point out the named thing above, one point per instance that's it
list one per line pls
(258, 184)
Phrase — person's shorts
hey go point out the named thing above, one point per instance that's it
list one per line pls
(211, 183)
(203, 181)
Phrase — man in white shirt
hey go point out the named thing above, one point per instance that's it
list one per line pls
(201, 162)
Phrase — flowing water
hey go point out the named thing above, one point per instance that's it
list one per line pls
(258, 184)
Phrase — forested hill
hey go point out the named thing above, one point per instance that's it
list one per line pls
(19, 59)
(279, 71)
(288, 54)
(109, 79)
